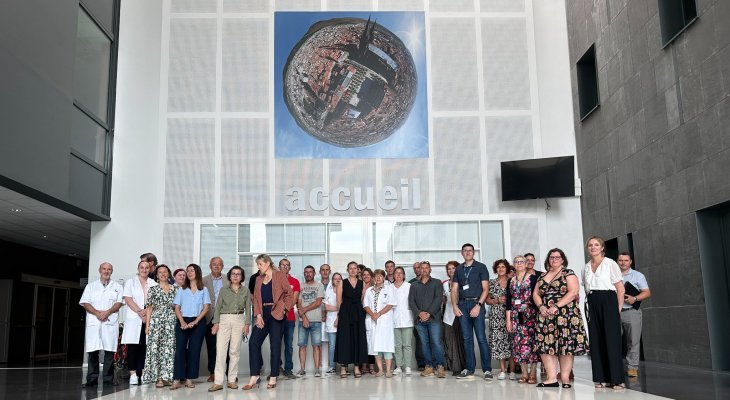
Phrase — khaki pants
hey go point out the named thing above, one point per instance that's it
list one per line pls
(230, 331)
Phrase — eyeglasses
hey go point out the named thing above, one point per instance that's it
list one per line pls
(519, 262)
(425, 262)
(235, 274)
(555, 257)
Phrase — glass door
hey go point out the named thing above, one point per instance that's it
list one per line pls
(50, 322)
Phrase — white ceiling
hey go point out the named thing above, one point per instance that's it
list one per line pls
(42, 226)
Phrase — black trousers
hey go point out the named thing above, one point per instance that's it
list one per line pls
(210, 339)
(92, 375)
(273, 327)
(136, 353)
(604, 331)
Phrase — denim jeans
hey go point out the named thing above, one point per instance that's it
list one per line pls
(469, 327)
(430, 335)
(332, 340)
(289, 327)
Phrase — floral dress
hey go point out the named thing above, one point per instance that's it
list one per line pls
(524, 318)
(161, 341)
(561, 334)
(498, 336)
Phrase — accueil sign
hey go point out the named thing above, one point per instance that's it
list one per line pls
(407, 196)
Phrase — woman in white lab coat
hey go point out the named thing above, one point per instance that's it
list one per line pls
(402, 323)
(378, 305)
(135, 297)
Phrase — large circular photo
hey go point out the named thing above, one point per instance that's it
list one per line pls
(349, 82)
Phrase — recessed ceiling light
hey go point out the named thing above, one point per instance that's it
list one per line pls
(16, 210)
(45, 236)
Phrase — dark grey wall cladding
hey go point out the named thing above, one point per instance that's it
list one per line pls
(656, 151)
(37, 57)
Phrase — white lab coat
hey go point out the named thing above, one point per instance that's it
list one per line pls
(402, 315)
(381, 337)
(132, 321)
(330, 298)
(102, 335)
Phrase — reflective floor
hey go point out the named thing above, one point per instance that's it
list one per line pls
(655, 381)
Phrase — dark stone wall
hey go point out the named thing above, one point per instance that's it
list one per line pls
(656, 151)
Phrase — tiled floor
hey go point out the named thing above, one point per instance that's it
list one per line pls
(657, 379)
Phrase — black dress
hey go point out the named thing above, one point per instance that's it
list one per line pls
(351, 346)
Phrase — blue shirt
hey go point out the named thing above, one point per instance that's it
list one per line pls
(472, 277)
(191, 305)
(637, 279)
(217, 286)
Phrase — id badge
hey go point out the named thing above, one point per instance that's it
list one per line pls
(466, 287)
(518, 302)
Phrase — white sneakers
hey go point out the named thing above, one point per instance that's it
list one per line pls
(408, 371)
(133, 380)
(397, 371)
(501, 376)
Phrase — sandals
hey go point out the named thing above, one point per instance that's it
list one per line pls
(189, 384)
(548, 385)
(160, 384)
(523, 379)
(343, 374)
(357, 373)
(567, 386)
(618, 388)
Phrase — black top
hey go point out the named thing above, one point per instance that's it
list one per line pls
(471, 276)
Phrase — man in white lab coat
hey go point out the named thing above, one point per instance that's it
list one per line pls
(101, 300)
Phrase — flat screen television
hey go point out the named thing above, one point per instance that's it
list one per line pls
(538, 178)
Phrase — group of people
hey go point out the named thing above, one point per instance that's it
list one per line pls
(372, 320)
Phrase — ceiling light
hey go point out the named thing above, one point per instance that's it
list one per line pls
(16, 210)
(45, 236)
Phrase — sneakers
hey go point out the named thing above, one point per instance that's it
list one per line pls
(289, 375)
(397, 371)
(512, 376)
(133, 380)
(408, 371)
(301, 373)
(633, 373)
(465, 375)
(427, 371)
(488, 376)
(330, 371)
(501, 376)
(317, 373)
(441, 372)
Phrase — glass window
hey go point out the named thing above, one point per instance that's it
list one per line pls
(88, 138)
(492, 246)
(218, 241)
(91, 71)
(345, 245)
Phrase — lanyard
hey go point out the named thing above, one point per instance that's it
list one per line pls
(466, 273)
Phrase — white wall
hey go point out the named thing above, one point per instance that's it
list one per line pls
(137, 177)
(563, 227)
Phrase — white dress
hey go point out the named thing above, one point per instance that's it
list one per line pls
(380, 334)
(102, 335)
